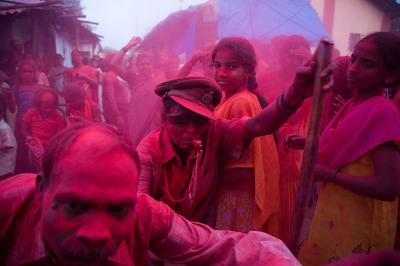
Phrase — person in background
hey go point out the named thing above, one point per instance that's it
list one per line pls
(23, 93)
(254, 203)
(115, 101)
(171, 68)
(57, 78)
(42, 78)
(41, 123)
(145, 106)
(87, 77)
(295, 50)
(78, 108)
(8, 144)
(163, 58)
(191, 68)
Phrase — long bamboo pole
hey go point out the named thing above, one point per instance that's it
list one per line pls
(324, 53)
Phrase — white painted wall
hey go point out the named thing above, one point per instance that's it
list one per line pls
(351, 16)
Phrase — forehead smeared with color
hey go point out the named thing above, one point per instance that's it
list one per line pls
(86, 140)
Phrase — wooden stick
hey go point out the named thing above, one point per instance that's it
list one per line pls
(324, 53)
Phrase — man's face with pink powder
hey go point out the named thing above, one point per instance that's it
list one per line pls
(88, 204)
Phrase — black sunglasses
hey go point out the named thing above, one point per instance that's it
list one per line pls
(184, 120)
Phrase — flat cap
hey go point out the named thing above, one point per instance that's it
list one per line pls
(198, 94)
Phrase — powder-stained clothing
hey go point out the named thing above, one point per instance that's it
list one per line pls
(24, 100)
(92, 93)
(271, 85)
(91, 113)
(249, 205)
(344, 222)
(8, 156)
(44, 129)
(145, 107)
(156, 228)
(159, 161)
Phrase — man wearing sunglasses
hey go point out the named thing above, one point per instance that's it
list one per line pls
(180, 159)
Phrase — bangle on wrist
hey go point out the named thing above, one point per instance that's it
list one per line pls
(125, 49)
(281, 111)
(295, 92)
(290, 108)
(334, 176)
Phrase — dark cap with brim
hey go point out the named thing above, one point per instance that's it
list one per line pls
(198, 94)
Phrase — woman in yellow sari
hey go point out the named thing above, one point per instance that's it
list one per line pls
(252, 204)
(359, 161)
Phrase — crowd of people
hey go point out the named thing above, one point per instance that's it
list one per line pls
(147, 162)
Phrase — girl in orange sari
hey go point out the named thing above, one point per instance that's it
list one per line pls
(359, 161)
(252, 204)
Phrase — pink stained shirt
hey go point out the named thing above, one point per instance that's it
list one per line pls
(157, 228)
(159, 159)
(44, 129)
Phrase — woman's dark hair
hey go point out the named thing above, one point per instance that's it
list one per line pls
(142, 56)
(105, 64)
(20, 65)
(388, 45)
(73, 90)
(244, 54)
(38, 96)
(63, 140)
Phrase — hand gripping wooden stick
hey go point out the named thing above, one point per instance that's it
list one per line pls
(324, 52)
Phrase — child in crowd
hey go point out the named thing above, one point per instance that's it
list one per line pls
(78, 108)
(22, 97)
(252, 204)
(42, 122)
(8, 144)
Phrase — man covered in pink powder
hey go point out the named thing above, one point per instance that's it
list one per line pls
(84, 210)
